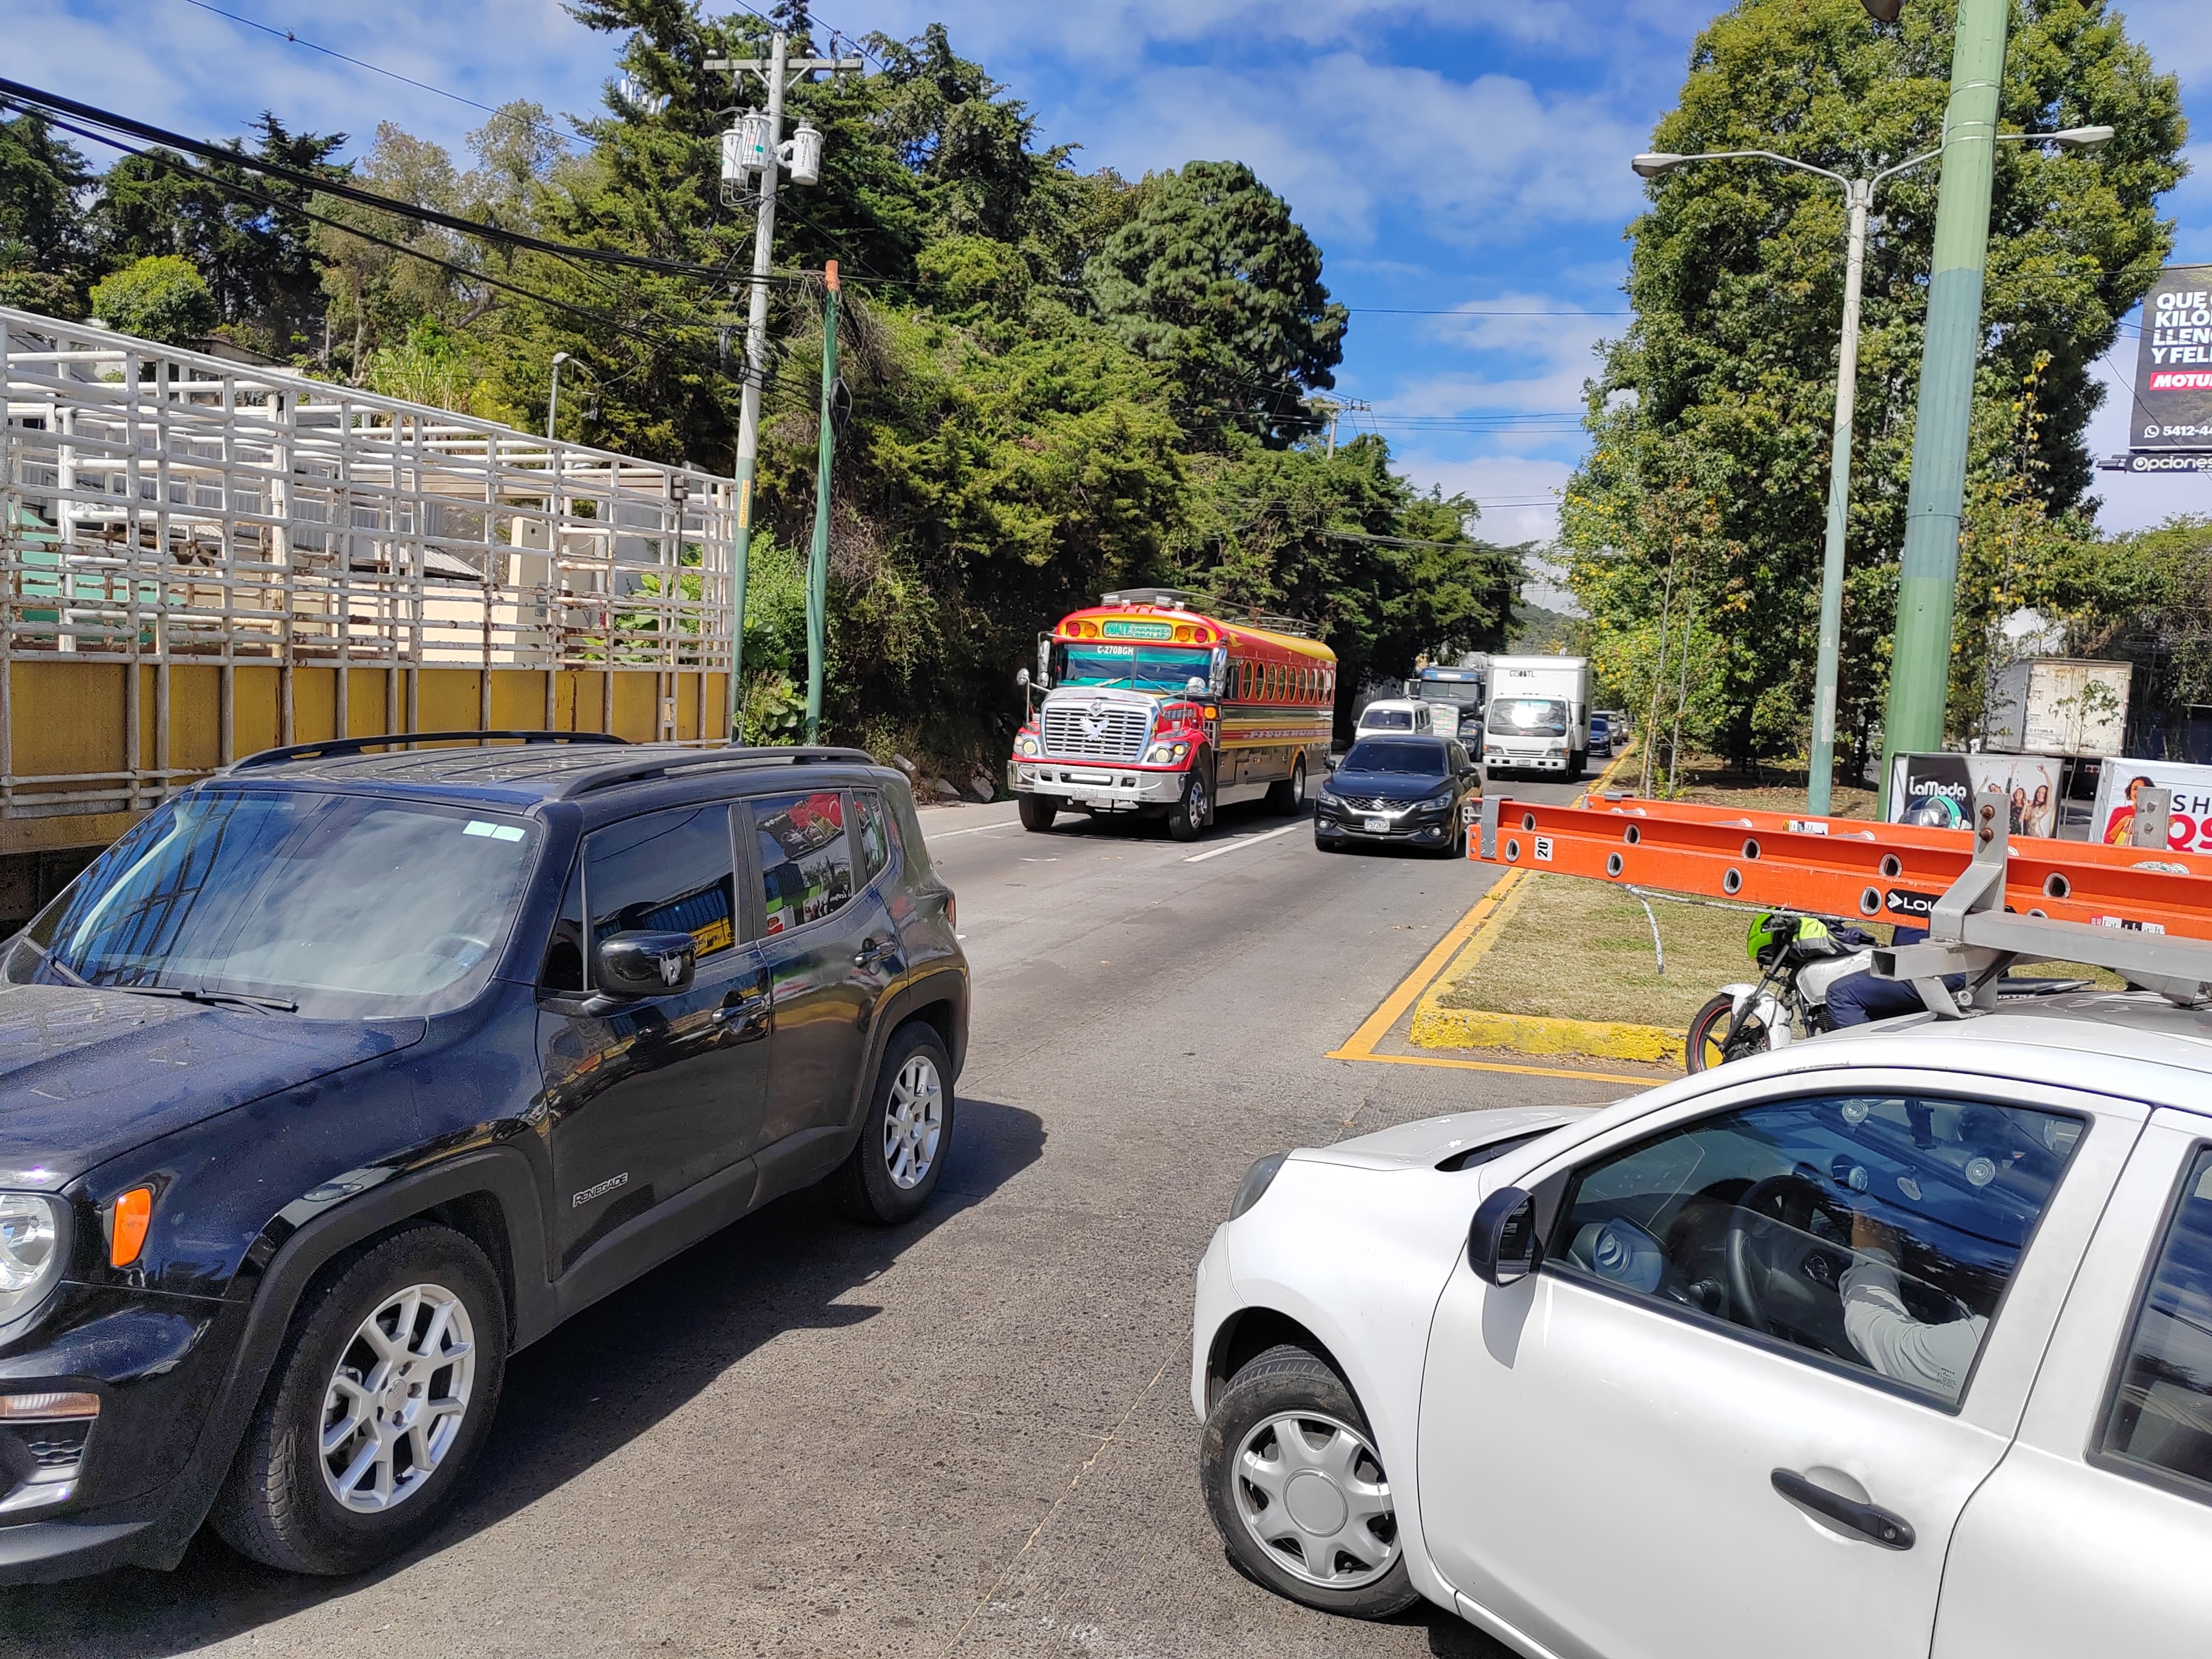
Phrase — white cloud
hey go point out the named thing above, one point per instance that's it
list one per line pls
(1518, 495)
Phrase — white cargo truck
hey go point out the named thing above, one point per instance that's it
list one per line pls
(2057, 706)
(1538, 717)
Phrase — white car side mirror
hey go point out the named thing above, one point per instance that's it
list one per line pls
(1502, 1245)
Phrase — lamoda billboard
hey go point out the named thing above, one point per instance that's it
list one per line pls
(2174, 365)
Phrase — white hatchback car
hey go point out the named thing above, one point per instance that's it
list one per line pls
(1894, 1342)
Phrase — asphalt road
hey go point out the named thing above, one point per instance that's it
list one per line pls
(969, 1436)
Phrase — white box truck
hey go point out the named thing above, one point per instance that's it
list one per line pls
(2057, 706)
(1538, 717)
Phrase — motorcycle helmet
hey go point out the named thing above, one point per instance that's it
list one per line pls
(1770, 934)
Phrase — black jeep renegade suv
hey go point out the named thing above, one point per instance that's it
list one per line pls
(345, 1074)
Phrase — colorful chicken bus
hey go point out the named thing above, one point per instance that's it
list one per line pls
(1154, 704)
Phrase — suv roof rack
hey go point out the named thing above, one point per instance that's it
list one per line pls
(659, 762)
(1985, 898)
(331, 746)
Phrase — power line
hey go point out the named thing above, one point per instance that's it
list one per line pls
(49, 104)
(291, 38)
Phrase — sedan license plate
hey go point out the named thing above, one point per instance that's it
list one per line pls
(1377, 826)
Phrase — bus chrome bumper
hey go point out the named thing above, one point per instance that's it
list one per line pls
(1101, 788)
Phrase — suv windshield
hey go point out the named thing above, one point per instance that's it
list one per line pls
(1528, 717)
(342, 904)
(1396, 754)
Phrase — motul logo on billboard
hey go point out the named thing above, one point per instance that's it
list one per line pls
(2192, 380)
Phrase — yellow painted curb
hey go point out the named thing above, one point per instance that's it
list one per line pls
(1529, 1034)
(1435, 1026)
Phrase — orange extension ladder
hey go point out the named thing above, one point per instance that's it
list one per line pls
(1985, 897)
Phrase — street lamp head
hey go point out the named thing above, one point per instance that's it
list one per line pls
(1883, 11)
(2082, 137)
(1652, 163)
(560, 357)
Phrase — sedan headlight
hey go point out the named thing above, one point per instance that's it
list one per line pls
(1025, 746)
(30, 1250)
(1437, 803)
(1254, 1186)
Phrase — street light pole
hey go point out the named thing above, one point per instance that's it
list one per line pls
(553, 398)
(1858, 200)
(1821, 771)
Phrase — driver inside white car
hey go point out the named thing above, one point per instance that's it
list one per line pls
(1897, 1345)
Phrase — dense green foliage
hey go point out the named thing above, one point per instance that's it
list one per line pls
(1061, 382)
(1703, 497)
(161, 297)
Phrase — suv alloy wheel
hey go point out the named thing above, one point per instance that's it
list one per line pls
(895, 1165)
(377, 1403)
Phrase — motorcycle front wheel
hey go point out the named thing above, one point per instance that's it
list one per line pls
(1705, 1048)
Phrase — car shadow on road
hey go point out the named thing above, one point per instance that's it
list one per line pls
(598, 1383)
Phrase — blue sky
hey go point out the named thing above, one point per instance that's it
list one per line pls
(1450, 157)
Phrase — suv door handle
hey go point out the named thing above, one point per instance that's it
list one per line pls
(1870, 1521)
(742, 1010)
(874, 951)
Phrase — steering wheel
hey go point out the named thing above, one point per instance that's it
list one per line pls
(1786, 1282)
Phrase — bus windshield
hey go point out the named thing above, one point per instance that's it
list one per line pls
(1140, 667)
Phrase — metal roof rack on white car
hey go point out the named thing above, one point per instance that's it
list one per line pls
(1986, 899)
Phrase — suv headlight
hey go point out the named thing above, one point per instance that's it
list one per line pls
(30, 1250)
(1437, 803)
(1257, 1180)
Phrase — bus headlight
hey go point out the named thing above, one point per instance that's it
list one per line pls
(1166, 754)
(1025, 746)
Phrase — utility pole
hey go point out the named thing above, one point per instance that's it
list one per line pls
(818, 562)
(1334, 408)
(778, 72)
(1920, 663)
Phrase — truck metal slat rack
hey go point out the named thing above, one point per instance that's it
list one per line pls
(1986, 898)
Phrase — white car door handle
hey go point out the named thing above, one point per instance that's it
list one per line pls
(1870, 1521)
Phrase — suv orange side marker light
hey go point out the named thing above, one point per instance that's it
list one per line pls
(126, 1232)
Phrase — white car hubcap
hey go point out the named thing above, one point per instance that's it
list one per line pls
(1312, 1493)
(399, 1398)
(913, 1119)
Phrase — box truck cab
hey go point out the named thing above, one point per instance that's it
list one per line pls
(1538, 719)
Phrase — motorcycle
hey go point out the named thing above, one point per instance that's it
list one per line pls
(1801, 958)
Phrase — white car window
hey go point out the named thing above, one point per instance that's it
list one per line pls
(2160, 1419)
(1876, 1233)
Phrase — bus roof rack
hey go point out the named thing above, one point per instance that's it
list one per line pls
(1212, 604)
(1986, 898)
(333, 746)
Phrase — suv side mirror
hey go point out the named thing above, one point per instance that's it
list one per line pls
(644, 964)
(1503, 1245)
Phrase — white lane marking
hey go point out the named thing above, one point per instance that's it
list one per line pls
(973, 829)
(1245, 841)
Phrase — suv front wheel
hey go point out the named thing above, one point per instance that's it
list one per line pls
(377, 1405)
(907, 1130)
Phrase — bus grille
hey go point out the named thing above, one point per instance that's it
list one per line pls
(1118, 734)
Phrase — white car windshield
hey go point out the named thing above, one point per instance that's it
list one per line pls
(1387, 720)
(339, 903)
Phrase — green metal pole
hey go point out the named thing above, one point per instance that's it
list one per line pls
(818, 566)
(1920, 663)
(741, 555)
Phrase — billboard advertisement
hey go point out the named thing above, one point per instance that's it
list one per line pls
(2190, 828)
(1942, 790)
(2174, 364)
